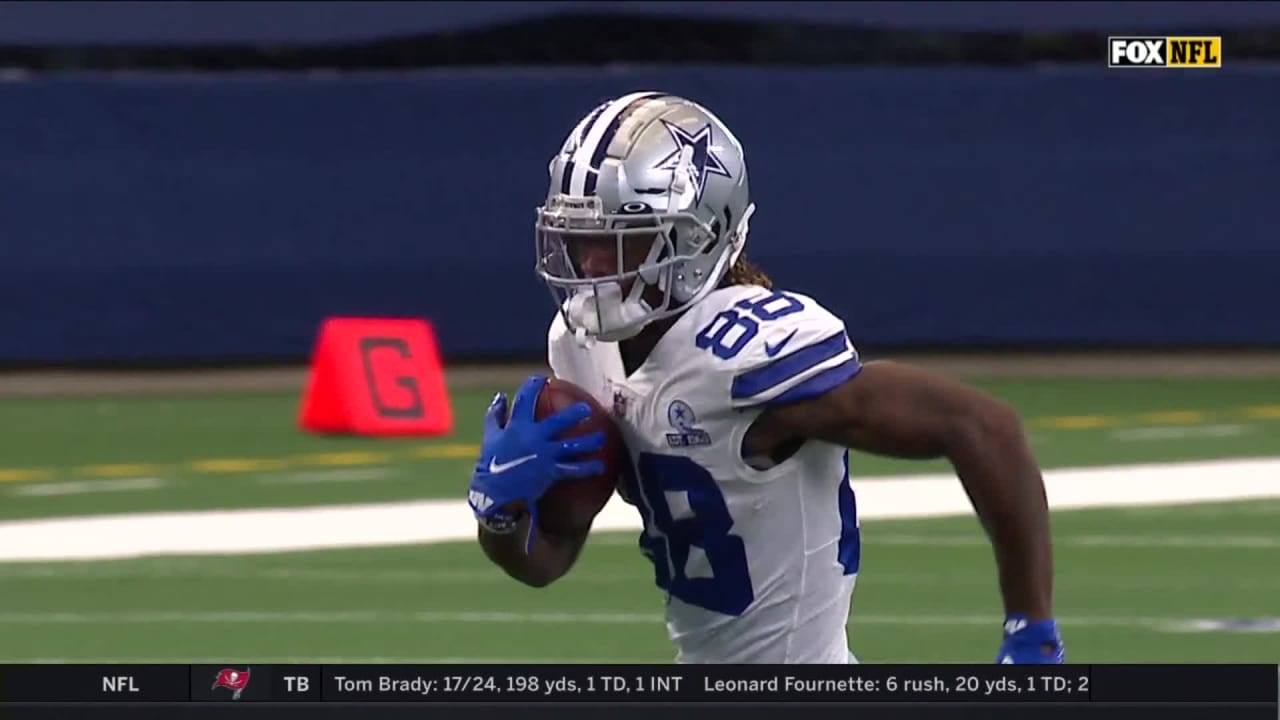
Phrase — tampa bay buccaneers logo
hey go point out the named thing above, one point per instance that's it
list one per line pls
(234, 680)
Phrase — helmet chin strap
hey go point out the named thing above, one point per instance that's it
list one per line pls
(605, 315)
(608, 317)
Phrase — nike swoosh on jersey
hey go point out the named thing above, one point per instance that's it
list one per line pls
(772, 350)
(496, 467)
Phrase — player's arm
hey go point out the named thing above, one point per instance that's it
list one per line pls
(899, 411)
(550, 556)
(520, 459)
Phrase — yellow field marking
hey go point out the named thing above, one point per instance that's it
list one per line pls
(237, 465)
(432, 452)
(1075, 422)
(344, 458)
(18, 475)
(1263, 412)
(468, 451)
(1176, 417)
(119, 470)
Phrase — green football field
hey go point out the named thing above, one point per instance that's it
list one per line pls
(1189, 583)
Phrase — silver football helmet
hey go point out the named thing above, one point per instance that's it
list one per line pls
(648, 208)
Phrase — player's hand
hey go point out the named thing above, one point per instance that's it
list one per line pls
(1031, 643)
(521, 458)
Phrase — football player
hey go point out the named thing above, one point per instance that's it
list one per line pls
(738, 402)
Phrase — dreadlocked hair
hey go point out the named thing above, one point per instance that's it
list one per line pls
(745, 272)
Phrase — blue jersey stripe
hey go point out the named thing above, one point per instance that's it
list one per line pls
(754, 382)
(849, 549)
(820, 384)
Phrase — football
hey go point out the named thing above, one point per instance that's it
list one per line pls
(570, 505)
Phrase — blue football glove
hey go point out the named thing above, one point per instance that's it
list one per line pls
(521, 458)
(1031, 643)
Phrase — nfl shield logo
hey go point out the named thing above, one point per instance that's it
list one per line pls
(619, 404)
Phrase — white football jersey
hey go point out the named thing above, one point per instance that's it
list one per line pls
(758, 565)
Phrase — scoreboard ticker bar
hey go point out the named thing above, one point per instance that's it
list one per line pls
(951, 684)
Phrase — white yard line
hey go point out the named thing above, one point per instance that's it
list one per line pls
(350, 526)
(1178, 433)
(84, 487)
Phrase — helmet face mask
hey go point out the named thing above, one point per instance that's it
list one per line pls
(613, 274)
(646, 229)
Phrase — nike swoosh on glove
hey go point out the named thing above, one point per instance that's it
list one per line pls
(521, 458)
(1031, 643)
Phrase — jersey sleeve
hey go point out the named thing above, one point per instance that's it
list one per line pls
(801, 350)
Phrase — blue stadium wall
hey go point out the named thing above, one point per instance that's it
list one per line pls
(187, 218)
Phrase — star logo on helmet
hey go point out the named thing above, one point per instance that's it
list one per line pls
(704, 160)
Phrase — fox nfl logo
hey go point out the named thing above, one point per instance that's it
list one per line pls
(1164, 52)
